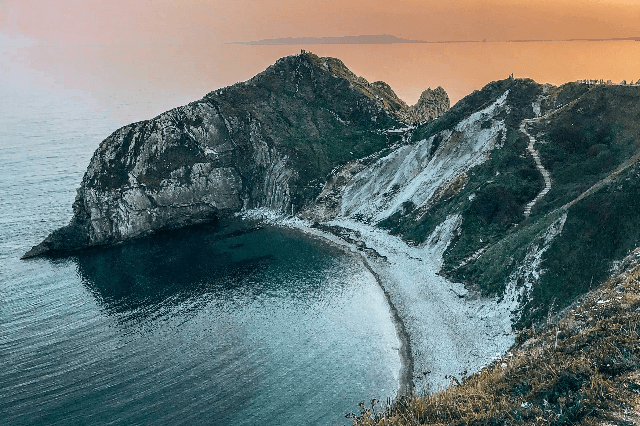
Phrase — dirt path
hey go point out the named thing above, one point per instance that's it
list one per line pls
(536, 155)
(543, 171)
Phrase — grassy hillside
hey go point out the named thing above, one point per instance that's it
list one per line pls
(298, 107)
(581, 370)
(586, 134)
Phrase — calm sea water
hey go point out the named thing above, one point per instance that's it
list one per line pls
(199, 326)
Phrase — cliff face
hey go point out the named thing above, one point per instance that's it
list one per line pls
(268, 142)
(536, 178)
(431, 105)
(542, 181)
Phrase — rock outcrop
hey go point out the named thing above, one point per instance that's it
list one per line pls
(431, 105)
(267, 142)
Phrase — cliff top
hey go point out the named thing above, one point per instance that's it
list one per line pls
(431, 105)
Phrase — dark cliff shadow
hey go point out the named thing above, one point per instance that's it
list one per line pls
(141, 278)
(191, 267)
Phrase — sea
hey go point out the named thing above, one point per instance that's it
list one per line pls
(267, 326)
(263, 326)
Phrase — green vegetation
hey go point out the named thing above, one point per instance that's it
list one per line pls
(318, 120)
(585, 143)
(600, 229)
(580, 146)
(502, 186)
(489, 271)
(320, 143)
(522, 92)
(491, 202)
(582, 370)
(492, 198)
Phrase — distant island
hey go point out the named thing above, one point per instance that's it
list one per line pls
(359, 39)
(391, 39)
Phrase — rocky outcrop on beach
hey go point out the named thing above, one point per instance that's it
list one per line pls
(267, 142)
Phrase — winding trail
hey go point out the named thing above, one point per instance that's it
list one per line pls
(536, 157)
(534, 153)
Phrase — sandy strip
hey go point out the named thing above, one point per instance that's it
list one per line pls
(444, 330)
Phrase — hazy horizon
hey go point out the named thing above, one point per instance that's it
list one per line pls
(113, 49)
(391, 39)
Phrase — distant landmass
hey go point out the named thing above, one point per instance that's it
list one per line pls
(580, 39)
(359, 39)
(391, 39)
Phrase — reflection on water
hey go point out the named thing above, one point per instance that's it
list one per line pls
(203, 264)
(196, 326)
(168, 268)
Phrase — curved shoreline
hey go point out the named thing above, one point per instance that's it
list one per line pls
(405, 381)
(406, 384)
(444, 332)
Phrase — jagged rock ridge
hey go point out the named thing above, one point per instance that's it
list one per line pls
(431, 104)
(267, 142)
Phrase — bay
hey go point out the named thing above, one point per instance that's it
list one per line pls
(204, 325)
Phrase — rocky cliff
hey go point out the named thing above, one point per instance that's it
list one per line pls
(431, 105)
(537, 184)
(267, 142)
(542, 181)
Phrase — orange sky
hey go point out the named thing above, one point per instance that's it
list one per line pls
(220, 21)
(180, 43)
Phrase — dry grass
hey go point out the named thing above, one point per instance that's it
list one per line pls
(581, 370)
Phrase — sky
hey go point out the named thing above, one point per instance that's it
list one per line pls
(180, 44)
(222, 21)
